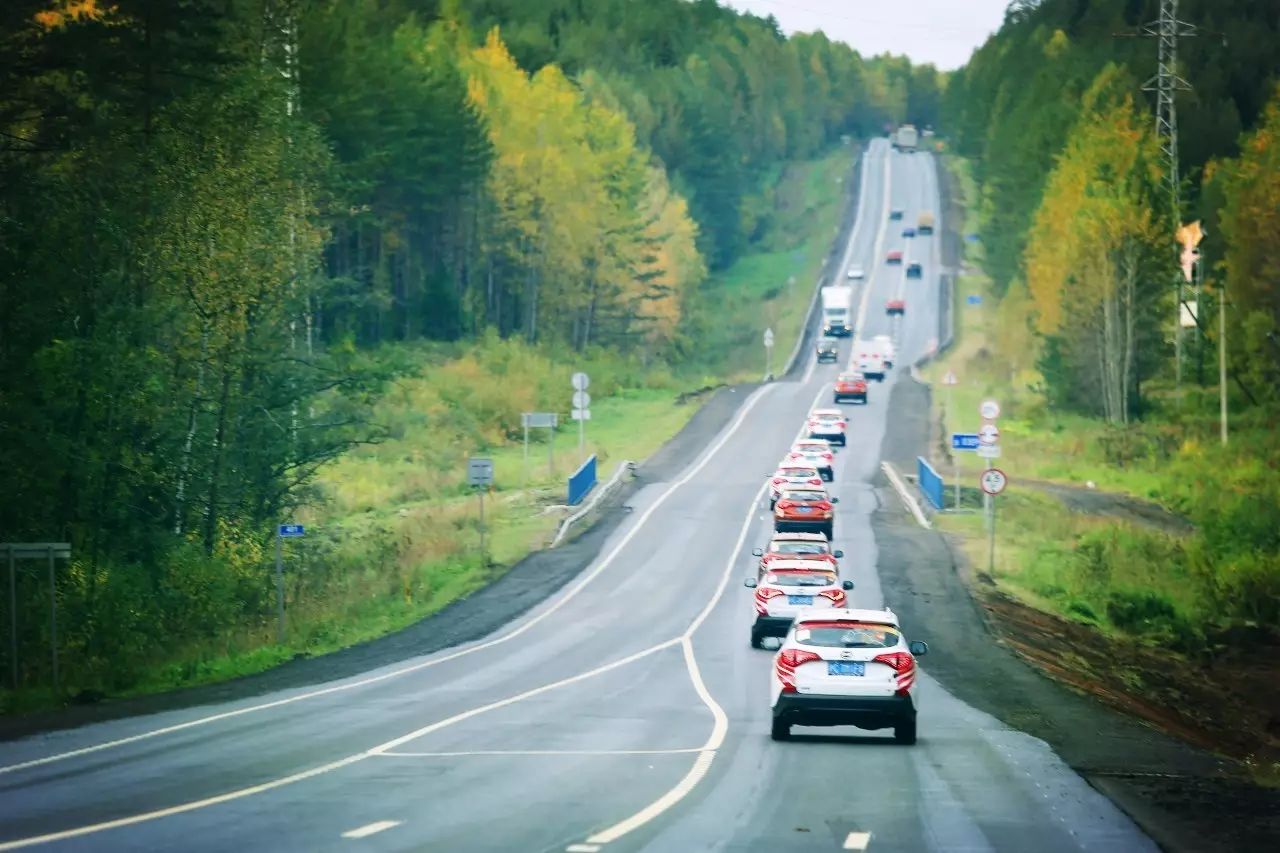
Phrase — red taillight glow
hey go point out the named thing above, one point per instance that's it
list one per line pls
(785, 505)
(904, 665)
(787, 664)
(836, 595)
(763, 594)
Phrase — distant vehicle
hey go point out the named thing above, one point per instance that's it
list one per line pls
(906, 138)
(816, 452)
(829, 424)
(844, 667)
(895, 306)
(895, 214)
(883, 344)
(914, 270)
(788, 587)
(856, 273)
(790, 546)
(826, 349)
(894, 257)
(837, 311)
(809, 510)
(908, 232)
(850, 386)
(789, 475)
(870, 361)
(925, 223)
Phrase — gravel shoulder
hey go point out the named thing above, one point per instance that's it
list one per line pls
(1184, 796)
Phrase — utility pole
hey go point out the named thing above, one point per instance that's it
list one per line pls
(1166, 84)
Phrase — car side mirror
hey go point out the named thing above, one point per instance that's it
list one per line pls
(918, 648)
(757, 552)
(847, 585)
(749, 583)
(838, 553)
(835, 500)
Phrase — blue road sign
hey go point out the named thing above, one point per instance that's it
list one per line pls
(291, 531)
(964, 441)
(971, 238)
(973, 299)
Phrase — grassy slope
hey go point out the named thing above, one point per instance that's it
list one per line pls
(396, 536)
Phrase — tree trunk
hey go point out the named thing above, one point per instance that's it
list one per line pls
(211, 514)
(184, 467)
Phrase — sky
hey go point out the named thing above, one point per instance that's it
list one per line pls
(943, 32)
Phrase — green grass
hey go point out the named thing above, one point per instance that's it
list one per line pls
(773, 287)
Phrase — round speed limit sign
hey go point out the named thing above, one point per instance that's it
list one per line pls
(993, 481)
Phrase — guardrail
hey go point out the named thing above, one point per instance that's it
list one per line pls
(625, 467)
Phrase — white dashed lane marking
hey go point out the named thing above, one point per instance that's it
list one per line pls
(370, 829)
(857, 841)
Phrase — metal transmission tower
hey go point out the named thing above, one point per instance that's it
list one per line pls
(1166, 84)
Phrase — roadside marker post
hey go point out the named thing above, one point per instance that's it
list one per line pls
(993, 482)
(480, 477)
(768, 354)
(546, 420)
(283, 532)
(581, 409)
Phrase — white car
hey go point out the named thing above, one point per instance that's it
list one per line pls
(816, 452)
(797, 546)
(845, 668)
(791, 474)
(856, 273)
(828, 424)
(788, 587)
(885, 345)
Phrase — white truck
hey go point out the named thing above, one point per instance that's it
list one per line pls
(868, 359)
(906, 138)
(837, 308)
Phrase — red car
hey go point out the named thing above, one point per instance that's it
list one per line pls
(851, 386)
(894, 257)
(798, 546)
(895, 306)
(805, 510)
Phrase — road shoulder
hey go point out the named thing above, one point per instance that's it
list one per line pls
(1185, 798)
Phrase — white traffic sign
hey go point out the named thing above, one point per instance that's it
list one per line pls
(581, 400)
(988, 451)
(581, 381)
(479, 471)
(768, 337)
(950, 379)
(581, 414)
(993, 481)
(990, 410)
(989, 434)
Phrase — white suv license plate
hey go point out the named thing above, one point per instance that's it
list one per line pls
(799, 599)
(846, 667)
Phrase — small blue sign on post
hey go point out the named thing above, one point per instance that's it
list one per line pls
(973, 299)
(292, 531)
(965, 441)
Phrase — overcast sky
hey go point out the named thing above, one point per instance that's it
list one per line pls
(943, 32)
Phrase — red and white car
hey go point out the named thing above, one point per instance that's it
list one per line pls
(807, 509)
(851, 385)
(792, 546)
(845, 668)
(828, 424)
(816, 452)
(894, 257)
(788, 587)
(791, 474)
(895, 306)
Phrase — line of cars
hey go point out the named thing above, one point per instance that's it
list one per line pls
(836, 665)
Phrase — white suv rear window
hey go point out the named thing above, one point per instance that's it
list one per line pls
(847, 635)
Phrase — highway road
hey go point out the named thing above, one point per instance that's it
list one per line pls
(626, 712)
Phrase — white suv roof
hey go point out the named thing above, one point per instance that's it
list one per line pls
(827, 614)
(803, 566)
(799, 537)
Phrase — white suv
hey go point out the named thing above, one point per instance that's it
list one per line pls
(815, 452)
(845, 668)
(792, 474)
(788, 587)
(828, 424)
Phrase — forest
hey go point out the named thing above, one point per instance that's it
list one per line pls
(225, 224)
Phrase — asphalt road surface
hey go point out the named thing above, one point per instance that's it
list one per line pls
(625, 712)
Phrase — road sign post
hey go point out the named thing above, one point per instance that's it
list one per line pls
(480, 477)
(768, 354)
(34, 551)
(962, 442)
(283, 532)
(993, 483)
(949, 381)
(581, 408)
(536, 420)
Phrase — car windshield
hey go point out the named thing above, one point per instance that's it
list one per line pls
(797, 473)
(850, 377)
(804, 497)
(800, 577)
(848, 635)
(798, 547)
(836, 312)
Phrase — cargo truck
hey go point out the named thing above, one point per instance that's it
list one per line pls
(837, 305)
(924, 224)
(906, 138)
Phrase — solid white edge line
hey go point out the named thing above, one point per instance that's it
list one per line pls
(720, 726)
(475, 753)
(591, 575)
(371, 829)
(912, 505)
(857, 841)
